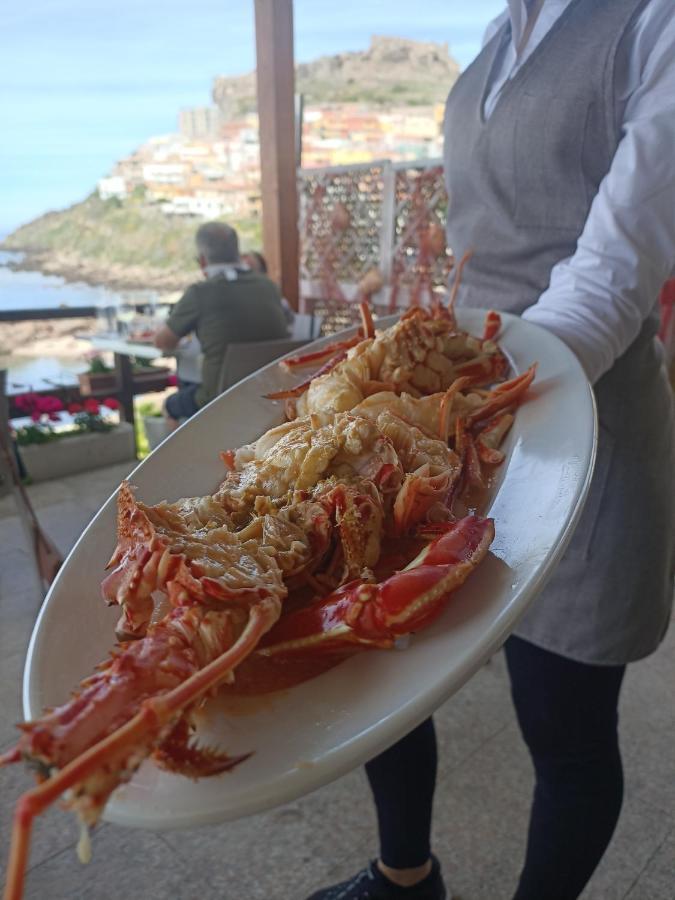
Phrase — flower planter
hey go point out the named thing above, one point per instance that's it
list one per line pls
(156, 430)
(97, 384)
(152, 378)
(70, 455)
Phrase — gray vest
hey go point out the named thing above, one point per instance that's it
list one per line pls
(520, 186)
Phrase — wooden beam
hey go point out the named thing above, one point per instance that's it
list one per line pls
(276, 116)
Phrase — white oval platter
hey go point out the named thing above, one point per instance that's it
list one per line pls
(317, 731)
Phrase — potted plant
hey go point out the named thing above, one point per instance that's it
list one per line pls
(154, 424)
(99, 379)
(51, 447)
(148, 377)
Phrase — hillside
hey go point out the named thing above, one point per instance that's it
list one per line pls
(132, 243)
(122, 244)
(392, 72)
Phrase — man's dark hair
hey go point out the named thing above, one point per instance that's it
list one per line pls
(218, 242)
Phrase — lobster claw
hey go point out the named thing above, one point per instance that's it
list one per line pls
(361, 615)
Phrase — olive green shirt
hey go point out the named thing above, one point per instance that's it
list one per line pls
(223, 312)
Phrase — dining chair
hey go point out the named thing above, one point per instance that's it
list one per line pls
(45, 556)
(244, 358)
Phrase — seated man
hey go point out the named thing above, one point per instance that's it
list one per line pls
(233, 304)
(257, 262)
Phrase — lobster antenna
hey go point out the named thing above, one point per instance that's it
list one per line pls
(366, 319)
(154, 713)
(458, 277)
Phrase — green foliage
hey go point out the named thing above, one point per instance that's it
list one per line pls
(142, 445)
(148, 410)
(383, 95)
(143, 410)
(131, 233)
(97, 366)
(42, 433)
(87, 421)
(35, 434)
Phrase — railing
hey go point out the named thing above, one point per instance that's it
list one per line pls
(49, 312)
(65, 393)
(377, 224)
(127, 384)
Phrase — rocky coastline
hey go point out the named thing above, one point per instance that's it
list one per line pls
(35, 339)
(61, 338)
(118, 276)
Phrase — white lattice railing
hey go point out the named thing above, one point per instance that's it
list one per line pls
(382, 216)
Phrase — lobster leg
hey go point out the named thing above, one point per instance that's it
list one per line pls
(446, 406)
(117, 756)
(493, 323)
(367, 324)
(317, 356)
(489, 439)
(484, 369)
(466, 449)
(456, 282)
(177, 754)
(300, 389)
(503, 396)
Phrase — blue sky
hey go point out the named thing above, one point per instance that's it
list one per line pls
(83, 83)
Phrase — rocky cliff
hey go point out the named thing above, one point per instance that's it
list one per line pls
(392, 72)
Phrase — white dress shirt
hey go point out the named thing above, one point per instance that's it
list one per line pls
(599, 297)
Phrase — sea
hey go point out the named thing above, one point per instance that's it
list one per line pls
(33, 290)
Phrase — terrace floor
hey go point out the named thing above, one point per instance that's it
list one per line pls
(482, 800)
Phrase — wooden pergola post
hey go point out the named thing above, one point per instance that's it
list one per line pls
(276, 116)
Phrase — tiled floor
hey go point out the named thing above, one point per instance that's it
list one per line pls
(481, 805)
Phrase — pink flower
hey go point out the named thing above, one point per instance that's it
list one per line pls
(74, 408)
(26, 402)
(111, 403)
(35, 415)
(91, 406)
(48, 404)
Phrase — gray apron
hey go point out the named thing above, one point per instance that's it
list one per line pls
(520, 186)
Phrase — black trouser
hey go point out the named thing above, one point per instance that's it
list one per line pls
(567, 713)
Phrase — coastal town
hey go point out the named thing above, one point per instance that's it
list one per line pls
(356, 107)
(135, 228)
(211, 167)
(134, 232)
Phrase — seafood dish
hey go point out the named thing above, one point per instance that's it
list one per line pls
(345, 528)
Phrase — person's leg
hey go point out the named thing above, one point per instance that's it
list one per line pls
(567, 713)
(402, 780)
(180, 405)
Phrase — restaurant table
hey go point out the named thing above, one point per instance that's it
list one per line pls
(123, 349)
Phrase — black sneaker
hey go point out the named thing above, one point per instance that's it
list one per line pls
(371, 884)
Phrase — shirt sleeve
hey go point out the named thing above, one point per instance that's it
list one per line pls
(599, 297)
(184, 315)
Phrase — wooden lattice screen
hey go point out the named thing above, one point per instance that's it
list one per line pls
(379, 217)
